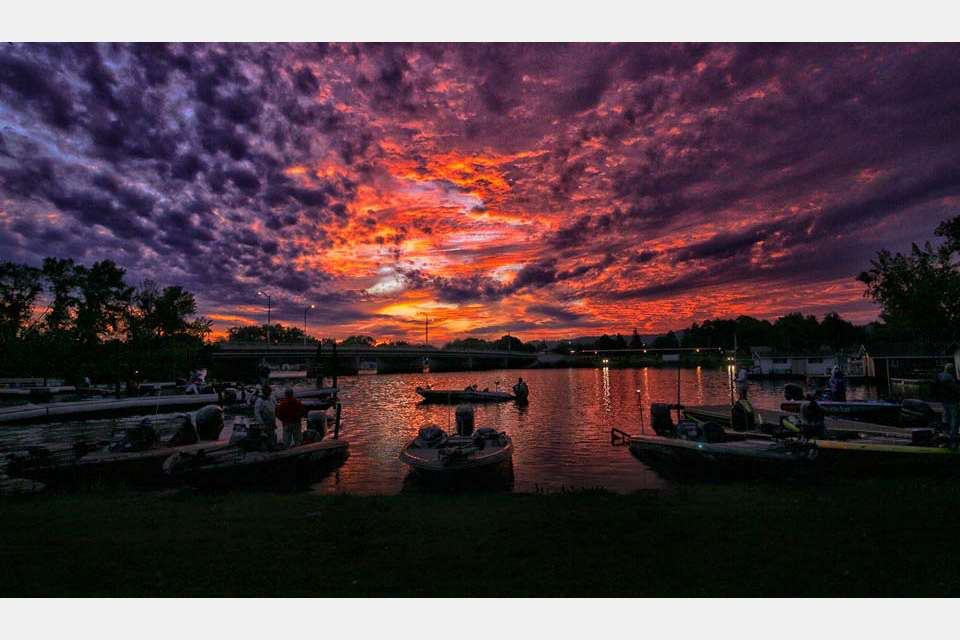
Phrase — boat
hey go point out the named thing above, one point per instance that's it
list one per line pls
(871, 450)
(876, 411)
(908, 413)
(707, 449)
(919, 450)
(132, 455)
(452, 396)
(238, 464)
(435, 452)
(367, 368)
(83, 409)
(733, 454)
(888, 456)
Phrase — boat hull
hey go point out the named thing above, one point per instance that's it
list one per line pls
(745, 457)
(429, 461)
(136, 467)
(439, 396)
(886, 413)
(235, 467)
(886, 456)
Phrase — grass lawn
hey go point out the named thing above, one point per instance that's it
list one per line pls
(868, 538)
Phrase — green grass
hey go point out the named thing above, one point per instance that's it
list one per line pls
(861, 539)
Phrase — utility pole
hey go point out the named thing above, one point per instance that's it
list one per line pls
(269, 306)
(426, 330)
(305, 323)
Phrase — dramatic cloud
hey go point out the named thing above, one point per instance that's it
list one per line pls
(541, 189)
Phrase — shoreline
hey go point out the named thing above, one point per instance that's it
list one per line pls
(851, 538)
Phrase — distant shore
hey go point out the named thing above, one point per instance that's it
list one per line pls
(865, 538)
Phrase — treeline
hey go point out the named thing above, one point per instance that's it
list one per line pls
(68, 320)
(793, 332)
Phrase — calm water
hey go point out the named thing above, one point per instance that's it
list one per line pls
(561, 439)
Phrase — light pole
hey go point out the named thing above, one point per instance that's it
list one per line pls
(305, 309)
(269, 307)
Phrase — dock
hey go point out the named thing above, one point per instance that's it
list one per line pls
(143, 405)
(721, 414)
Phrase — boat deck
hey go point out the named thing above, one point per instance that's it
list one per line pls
(721, 414)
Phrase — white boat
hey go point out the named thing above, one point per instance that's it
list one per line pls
(367, 368)
(433, 451)
(453, 396)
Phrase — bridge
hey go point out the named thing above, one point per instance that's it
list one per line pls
(246, 357)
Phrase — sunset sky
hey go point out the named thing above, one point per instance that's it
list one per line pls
(543, 190)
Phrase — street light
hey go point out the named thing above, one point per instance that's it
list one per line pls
(305, 322)
(269, 308)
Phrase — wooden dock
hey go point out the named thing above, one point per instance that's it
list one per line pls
(721, 414)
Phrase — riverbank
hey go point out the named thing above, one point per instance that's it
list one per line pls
(873, 538)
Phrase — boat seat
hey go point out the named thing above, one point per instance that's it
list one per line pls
(713, 432)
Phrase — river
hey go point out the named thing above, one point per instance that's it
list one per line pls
(561, 438)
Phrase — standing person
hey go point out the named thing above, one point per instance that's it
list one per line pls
(290, 411)
(813, 417)
(947, 392)
(263, 372)
(837, 385)
(520, 390)
(742, 383)
(265, 410)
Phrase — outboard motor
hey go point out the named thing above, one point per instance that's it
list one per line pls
(186, 434)
(793, 391)
(915, 414)
(660, 419)
(209, 422)
(430, 437)
(465, 420)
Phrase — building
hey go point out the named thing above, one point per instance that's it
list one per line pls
(768, 363)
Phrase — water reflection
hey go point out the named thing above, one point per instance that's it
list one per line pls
(561, 438)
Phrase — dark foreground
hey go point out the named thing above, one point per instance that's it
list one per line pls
(860, 539)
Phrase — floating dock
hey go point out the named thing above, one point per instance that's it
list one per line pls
(721, 414)
(83, 409)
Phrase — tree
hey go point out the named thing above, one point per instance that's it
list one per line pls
(919, 293)
(358, 341)
(103, 304)
(840, 333)
(19, 287)
(636, 342)
(511, 343)
(279, 334)
(668, 341)
(796, 332)
(470, 343)
(155, 314)
(62, 278)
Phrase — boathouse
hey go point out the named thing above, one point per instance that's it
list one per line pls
(768, 363)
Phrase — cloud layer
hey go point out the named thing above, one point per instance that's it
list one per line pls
(544, 189)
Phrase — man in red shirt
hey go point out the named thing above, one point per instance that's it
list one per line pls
(290, 411)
